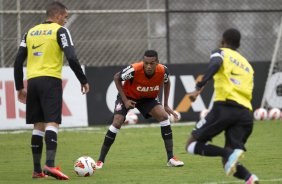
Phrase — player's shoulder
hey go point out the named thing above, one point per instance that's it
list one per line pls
(138, 65)
(162, 65)
(161, 68)
(217, 50)
(63, 29)
(217, 53)
(127, 68)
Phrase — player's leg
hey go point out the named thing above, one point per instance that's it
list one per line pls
(157, 111)
(220, 118)
(34, 115)
(199, 147)
(51, 138)
(118, 119)
(109, 139)
(51, 102)
(236, 137)
(204, 130)
(161, 116)
(243, 173)
(37, 147)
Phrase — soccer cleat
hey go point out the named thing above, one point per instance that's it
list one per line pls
(230, 166)
(99, 164)
(253, 179)
(174, 162)
(55, 172)
(39, 175)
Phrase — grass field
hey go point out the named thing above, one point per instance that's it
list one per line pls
(138, 156)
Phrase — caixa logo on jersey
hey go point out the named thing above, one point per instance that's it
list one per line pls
(148, 88)
(40, 32)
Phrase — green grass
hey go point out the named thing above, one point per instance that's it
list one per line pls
(138, 156)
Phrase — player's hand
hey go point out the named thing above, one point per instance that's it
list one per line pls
(175, 115)
(193, 95)
(85, 88)
(170, 111)
(130, 104)
(22, 96)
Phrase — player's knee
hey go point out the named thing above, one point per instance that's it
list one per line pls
(190, 147)
(118, 121)
(117, 124)
(163, 117)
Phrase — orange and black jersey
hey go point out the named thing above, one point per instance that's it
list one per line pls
(138, 86)
(66, 45)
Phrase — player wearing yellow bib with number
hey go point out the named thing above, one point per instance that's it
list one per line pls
(232, 109)
(44, 47)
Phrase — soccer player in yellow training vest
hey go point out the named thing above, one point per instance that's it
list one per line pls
(44, 47)
(232, 110)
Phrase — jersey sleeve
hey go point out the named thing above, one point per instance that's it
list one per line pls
(65, 42)
(166, 75)
(18, 65)
(217, 56)
(215, 63)
(127, 73)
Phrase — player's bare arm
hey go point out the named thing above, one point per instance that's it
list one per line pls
(166, 96)
(129, 104)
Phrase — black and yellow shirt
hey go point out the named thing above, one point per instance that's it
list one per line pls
(45, 57)
(233, 77)
(44, 47)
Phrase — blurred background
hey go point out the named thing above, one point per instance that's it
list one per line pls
(114, 33)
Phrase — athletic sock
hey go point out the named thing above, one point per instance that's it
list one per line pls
(242, 172)
(108, 141)
(205, 149)
(167, 137)
(51, 145)
(36, 149)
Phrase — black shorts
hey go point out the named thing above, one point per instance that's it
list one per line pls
(237, 122)
(143, 105)
(44, 100)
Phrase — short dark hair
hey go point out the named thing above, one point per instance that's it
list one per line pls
(151, 53)
(232, 37)
(54, 8)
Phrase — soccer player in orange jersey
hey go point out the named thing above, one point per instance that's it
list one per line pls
(142, 83)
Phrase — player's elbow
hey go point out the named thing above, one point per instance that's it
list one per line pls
(116, 77)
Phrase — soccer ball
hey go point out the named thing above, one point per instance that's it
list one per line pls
(274, 114)
(260, 114)
(173, 119)
(84, 166)
(204, 113)
(131, 118)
